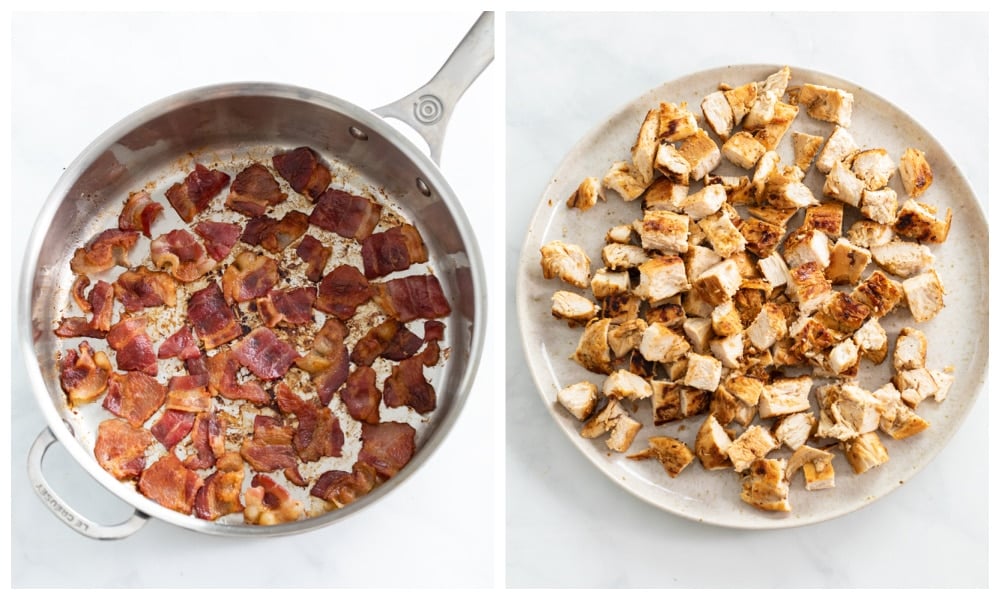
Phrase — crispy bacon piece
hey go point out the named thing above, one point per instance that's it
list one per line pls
(192, 195)
(315, 254)
(121, 448)
(220, 495)
(266, 355)
(394, 249)
(84, 375)
(293, 475)
(345, 214)
(134, 397)
(101, 302)
(361, 396)
(71, 327)
(139, 213)
(108, 249)
(250, 276)
(221, 368)
(433, 331)
(318, 432)
(302, 169)
(180, 253)
(387, 447)
(181, 345)
(275, 235)
(342, 291)
(413, 297)
(189, 393)
(270, 448)
(406, 386)
(287, 307)
(268, 503)
(213, 319)
(208, 438)
(219, 237)
(389, 339)
(141, 288)
(341, 487)
(170, 484)
(254, 190)
(172, 427)
(132, 345)
(328, 361)
(79, 293)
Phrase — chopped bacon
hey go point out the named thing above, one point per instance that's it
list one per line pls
(275, 235)
(139, 213)
(433, 331)
(208, 438)
(180, 253)
(219, 237)
(79, 293)
(141, 288)
(189, 393)
(169, 483)
(254, 190)
(413, 297)
(270, 448)
(345, 214)
(289, 306)
(172, 427)
(293, 475)
(342, 291)
(213, 319)
(180, 345)
(343, 488)
(250, 276)
(121, 448)
(266, 355)
(220, 495)
(318, 432)
(389, 339)
(109, 248)
(192, 196)
(387, 447)
(84, 375)
(134, 397)
(100, 301)
(72, 327)
(406, 386)
(315, 254)
(221, 368)
(268, 503)
(196, 365)
(132, 345)
(394, 249)
(302, 169)
(328, 361)
(361, 396)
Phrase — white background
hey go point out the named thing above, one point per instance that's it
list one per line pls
(76, 75)
(568, 525)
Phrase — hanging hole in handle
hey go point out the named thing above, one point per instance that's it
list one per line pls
(423, 187)
(357, 133)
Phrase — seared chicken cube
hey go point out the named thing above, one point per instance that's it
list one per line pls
(765, 486)
(924, 295)
(918, 221)
(844, 358)
(904, 259)
(737, 187)
(663, 230)
(718, 113)
(572, 307)
(645, 147)
(879, 293)
(761, 237)
(752, 444)
(839, 146)
(741, 99)
(872, 341)
(775, 270)
(703, 372)
(898, 420)
(842, 313)
(857, 408)
(746, 389)
(777, 82)
(695, 306)
(795, 429)
(915, 172)
(676, 122)
(659, 343)
(842, 184)
(724, 236)
(869, 234)
(749, 299)
(719, 282)
(762, 110)
(805, 246)
(579, 399)
(621, 257)
(660, 278)
(816, 465)
(865, 452)
(770, 134)
(619, 234)
(625, 337)
(666, 402)
(915, 385)
(911, 349)
(827, 217)
(808, 286)
(618, 422)
(665, 194)
(726, 320)
(672, 164)
(623, 385)
(624, 179)
(711, 445)
(704, 202)
(593, 352)
(874, 167)
(699, 332)
(847, 262)
(811, 336)
(728, 350)
(568, 262)
(671, 315)
(784, 189)
(698, 259)
(586, 195)
(827, 104)
(806, 147)
(943, 380)
(743, 150)
(701, 153)
(672, 453)
(785, 396)
(766, 167)
(694, 401)
(608, 283)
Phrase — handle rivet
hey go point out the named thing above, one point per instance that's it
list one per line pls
(355, 132)
(428, 109)
(423, 187)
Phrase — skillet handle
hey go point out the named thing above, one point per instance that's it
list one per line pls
(428, 109)
(78, 522)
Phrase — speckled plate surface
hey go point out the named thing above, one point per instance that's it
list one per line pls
(713, 497)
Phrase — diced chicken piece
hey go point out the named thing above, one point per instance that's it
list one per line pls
(719, 282)
(865, 452)
(924, 296)
(919, 221)
(663, 230)
(808, 286)
(743, 150)
(737, 187)
(775, 270)
(694, 402)
(816, 465)
(698, 259)
(944, 380)
(672, 453)
(645, 147)
(586, 195)
(872, 341)
(711, 445)
(620, 307)
(765, 486)
(785, 396)
(618, 422)
(741, 99)
(805, 246)
(624, 337)
(666, 402)
(619, 234)
(839, 146)
(842, 313)
(766, 167)
(568, 262)
(579, 399)
(770, 135)
(786, 190)
(724, 236)
(869, 234)
(874, 167)
(811, 337)
(847, 262)
(671, 315)
(726, 320)
(676, 122)
(915, 385)
(718, 113)
(844, 358)
(879, 293)
(795, 429)
(665, 194)
(898, 420)
(593, 352)
(749, 299)
(699, 332)
(761, 237)
(622, 178)
(661, 344)
(572, 307)
(806, 147)
(752, 444)
(827, 104)
(695, 306)
(911, 349)
(729, 350)
(880, 205)
(672, 164)
(621, 257)
(623, 385)
(607, 283)
(915, 172)
(827, 217)
(701, 152)
(777, 82)
(704, 202)
(904, 259)
(703, 372)
(762, 110)
(661, 278)
(746, 389)
(856, 407)
(843, 185)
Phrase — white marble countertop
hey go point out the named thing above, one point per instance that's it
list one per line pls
(76, 75)
(568, 525)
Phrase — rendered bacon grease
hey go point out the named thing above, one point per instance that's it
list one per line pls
(714, 310)
(257, 359)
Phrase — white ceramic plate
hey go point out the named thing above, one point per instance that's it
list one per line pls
(957, 336)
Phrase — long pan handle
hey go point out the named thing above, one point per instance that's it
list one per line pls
(429, 108)
(53, 502)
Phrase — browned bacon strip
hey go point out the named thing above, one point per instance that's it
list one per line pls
(219, 237)
(212, 318)
(220, 495)
(208, 438)
(315, 255)
(254, 190)
(79, 293)
(287, 307)
(342, 291)
(389, 339)
(394, 249)
(250, 276)
(318, 432)
(121, 448)
(341, 487)
(132, 345)
(189, 393)
(433, 331)
(266, 355)
(275, 235)
(180, 254)
(84, 375)
(345, 214)
(270, 448)
(328, 361)
(134, 397)
(180, 345)
(387, 447)
(268, 503)
(172, 427)
(192, 195)
(100, 301)
(221, 368)
(71, 327)
(302, 169)
(293, 476)
(109, 248)
(139, 213)
(169, 483)
(361, 396)
(406, 386)
(413, 297)
(141, 288)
